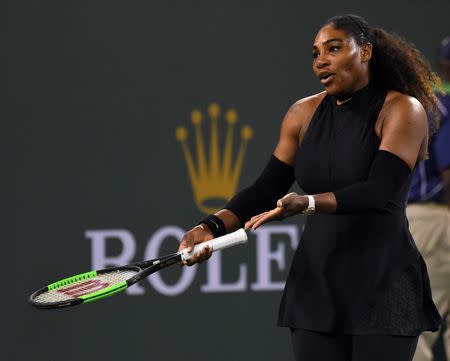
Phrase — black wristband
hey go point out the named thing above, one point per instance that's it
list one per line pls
(215, 225)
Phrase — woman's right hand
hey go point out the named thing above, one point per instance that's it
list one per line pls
(291, 204)
(196, 235)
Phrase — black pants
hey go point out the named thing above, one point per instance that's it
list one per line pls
(317, 346)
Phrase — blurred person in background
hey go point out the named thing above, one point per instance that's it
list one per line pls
(428, 212)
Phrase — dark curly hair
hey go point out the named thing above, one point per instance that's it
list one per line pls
(396, 64)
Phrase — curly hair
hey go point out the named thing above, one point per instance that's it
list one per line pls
(396, 64)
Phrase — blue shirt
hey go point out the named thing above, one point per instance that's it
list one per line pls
(426, 184)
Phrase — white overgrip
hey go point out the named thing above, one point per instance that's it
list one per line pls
(228, 240)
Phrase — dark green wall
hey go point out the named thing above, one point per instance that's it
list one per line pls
(95, 92)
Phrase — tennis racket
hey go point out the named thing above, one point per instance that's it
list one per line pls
(95, 285)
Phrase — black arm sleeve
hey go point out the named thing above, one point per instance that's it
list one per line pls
(273, 183)
(388, 175)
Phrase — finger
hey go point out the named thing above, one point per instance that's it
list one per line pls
(190, 243)
(191, 261)
(263, 220)
(209, 252)
(275, 211)
(199, 256)
(271, 215)
(204, 254)
(184, 245)
(181, 246)
(260, 222)
(258, 215)
(250, 223)
(252, 220)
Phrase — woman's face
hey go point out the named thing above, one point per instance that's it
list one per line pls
(341, 65)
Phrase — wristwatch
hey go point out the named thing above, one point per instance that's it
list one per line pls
(311, 206)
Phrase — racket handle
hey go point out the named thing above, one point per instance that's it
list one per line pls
(229, 240)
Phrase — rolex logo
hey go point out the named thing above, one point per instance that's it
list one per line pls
(215, 173)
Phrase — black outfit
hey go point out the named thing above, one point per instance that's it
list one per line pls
(355, 273)
(316, 346)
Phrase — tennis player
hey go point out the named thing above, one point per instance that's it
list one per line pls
(358, 288)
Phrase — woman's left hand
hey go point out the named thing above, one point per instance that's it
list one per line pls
(287, 206)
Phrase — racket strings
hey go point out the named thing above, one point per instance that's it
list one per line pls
(85, 287)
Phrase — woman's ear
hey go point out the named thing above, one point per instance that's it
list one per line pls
(366, 52)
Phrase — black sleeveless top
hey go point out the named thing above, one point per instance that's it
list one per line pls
(357, 273)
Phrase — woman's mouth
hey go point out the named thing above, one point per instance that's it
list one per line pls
(326, 77)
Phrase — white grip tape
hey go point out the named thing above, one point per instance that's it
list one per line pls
(229, 240)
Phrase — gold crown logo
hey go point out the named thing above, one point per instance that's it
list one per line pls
(214, 180)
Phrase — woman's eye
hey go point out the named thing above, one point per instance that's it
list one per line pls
(333, 49)
(315, 55)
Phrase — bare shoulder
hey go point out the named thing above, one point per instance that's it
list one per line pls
(403, 127)
(293, 127)
(308, 105)
(301, 112)
(401, 110)
(397, 102)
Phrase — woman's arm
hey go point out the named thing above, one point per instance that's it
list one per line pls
(405, 129)
(403, 141)
(278, 175)
(265, 191)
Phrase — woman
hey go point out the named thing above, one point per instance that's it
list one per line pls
(357, 288)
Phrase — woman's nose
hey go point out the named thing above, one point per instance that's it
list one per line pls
(321, 61)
